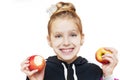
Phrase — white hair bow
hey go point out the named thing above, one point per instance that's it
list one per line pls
(51, 9)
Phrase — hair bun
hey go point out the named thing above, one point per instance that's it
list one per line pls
(62, 6)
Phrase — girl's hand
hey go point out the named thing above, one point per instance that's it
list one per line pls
(113, 60)
(34, 74)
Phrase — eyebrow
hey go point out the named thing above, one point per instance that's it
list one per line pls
(75, 31)
(57, 33)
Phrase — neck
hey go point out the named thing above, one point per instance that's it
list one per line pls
(68, 61)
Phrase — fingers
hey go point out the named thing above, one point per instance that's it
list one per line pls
(30, 73)
(112, 58)
(24, 65)
(112, 50)
(25, 69)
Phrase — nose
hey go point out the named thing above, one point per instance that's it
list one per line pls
(66, 41)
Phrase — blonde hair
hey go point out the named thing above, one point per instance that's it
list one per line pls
(65, 10)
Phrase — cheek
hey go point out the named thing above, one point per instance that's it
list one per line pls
(76, 41)
(56, 42)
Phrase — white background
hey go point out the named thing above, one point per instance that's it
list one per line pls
(23, 31)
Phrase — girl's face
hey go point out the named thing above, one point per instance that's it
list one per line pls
(65, 39)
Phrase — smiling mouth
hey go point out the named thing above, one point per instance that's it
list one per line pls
(67, 51)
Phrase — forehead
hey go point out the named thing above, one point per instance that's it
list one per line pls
(64, 25)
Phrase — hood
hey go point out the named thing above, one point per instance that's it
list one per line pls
(79, 61)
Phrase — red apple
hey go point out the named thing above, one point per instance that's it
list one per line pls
(36, 62)
(99, 53)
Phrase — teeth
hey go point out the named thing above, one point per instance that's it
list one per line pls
(66, 50)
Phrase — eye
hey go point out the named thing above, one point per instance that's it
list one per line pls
(73, 35)
(58, 36)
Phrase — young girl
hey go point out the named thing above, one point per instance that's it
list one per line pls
(65, 36)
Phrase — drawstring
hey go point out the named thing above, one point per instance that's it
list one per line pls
(75, 76)
(65, 71)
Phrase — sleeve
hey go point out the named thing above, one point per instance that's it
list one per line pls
(109, 78)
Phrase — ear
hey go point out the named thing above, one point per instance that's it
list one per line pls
(49, 41)
(82, 40)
